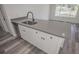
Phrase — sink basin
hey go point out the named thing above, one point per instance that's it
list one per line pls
(29, 22)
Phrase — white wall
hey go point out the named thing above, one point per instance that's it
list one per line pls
(40, 11)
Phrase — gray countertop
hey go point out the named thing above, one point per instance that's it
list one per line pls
(51, 27)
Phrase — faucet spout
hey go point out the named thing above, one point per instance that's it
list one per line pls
(31, 14)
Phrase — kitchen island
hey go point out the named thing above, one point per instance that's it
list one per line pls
(50, 34)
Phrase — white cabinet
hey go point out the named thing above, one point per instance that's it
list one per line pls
(52, 43)
(47, 42)
(26, 33)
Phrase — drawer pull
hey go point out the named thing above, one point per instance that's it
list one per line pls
(42, 38)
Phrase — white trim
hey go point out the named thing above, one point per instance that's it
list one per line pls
(10, 27)
(3, 24)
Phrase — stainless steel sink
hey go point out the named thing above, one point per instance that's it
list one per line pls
(30, 22)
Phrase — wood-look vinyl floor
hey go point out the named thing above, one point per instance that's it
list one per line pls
(17, 46)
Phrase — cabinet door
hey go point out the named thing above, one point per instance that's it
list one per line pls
(50, 43)
(26, 33)
(22, 31)
(37, 38)
(30, 35)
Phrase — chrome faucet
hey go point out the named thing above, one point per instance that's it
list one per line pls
(31, 14)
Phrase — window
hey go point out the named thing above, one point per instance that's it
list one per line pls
(66, 10)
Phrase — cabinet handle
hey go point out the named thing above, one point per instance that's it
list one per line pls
(43, 38)
(36, 32)
(51, 37)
